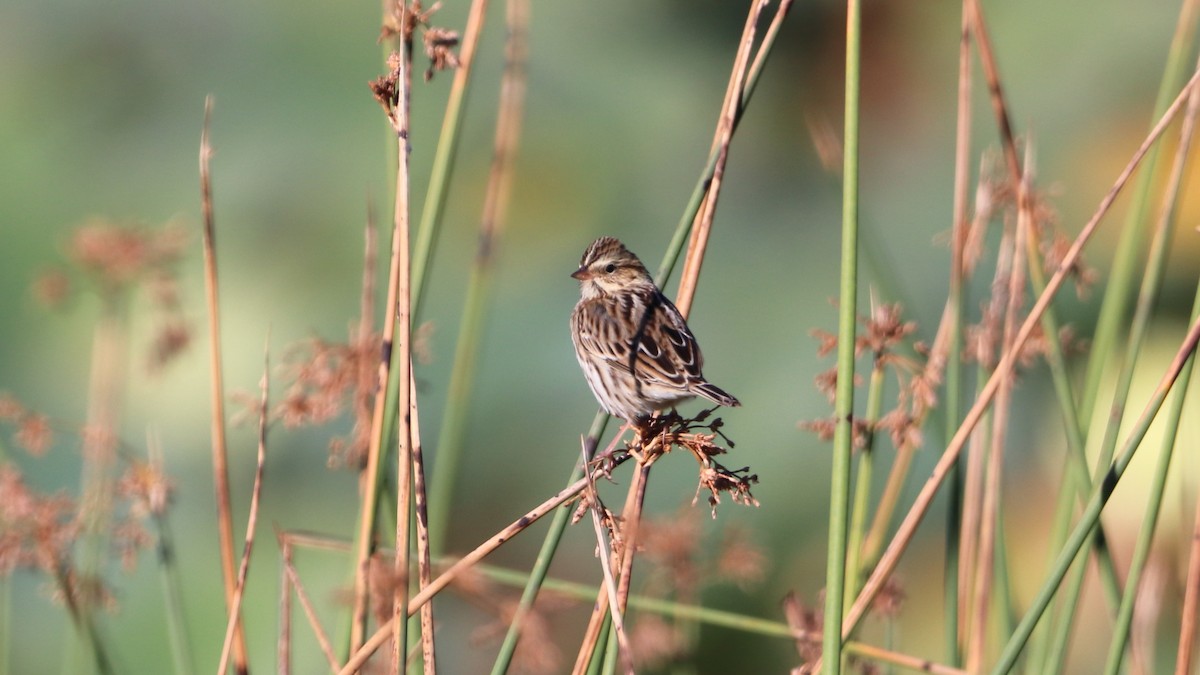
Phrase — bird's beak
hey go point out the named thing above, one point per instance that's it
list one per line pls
(582, 274)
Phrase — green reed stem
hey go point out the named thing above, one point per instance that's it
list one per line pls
(684, 228)
(537, 576)
(462, 377)
(168, 569)
(1147, 296)
(5, 623)
(705, 615)
(862, 486)
(1100, 494)
(1002, 589)
(1146, 534)
(597, 661)
(492, 220)
(1076, 463)
(954, 491)
(839, 497)
(611, 648)
(1163, 233)
(956, 304)
(1118, 292)
(443, 159)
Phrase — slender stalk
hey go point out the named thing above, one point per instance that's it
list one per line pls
(424, 550)
(359, 657)
(985, 565)
(1079, 482)
(1100, 494)
(251, 520)
(1111, 584)
(5, 620)
(400, 224)
(887, 563)
(1163, 231)
(862, 485)
(1147, 297)
(592, 647)
(283, 645)
(700, 191)
(310, 613)
(541, 566)
(606, 560)
(1119, 290)
(168, 568)
(1191, 602)
(491, 229)
(219, 452)
(442, 168)
(724, 135)
(110, 345)
(882, 520)
(956, 304)
(980, 449)
(84, 623)
(839, 497)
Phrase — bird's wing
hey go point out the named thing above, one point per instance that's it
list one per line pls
(601, 334)
(667, 351)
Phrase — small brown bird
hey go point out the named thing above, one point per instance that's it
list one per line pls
(634, 346)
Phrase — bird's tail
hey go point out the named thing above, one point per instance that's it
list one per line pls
(715, 394)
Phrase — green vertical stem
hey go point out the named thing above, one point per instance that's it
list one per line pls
(5, 623)
(443, 158)
(1116, 647)
(956, 304)
(1076, 463)
(1163, 232)
(1147, 296)
(462, 377)
(862, 486)
(545, 556)
(1003, 586)
(1130, 245)
(168, 569)
(1100, 494)
(596, 665)
(839, 497)
(505, 146)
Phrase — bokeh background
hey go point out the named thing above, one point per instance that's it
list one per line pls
(100, 114)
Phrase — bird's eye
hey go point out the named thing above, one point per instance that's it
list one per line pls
(610, 268)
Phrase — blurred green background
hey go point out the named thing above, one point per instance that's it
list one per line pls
(100, 113)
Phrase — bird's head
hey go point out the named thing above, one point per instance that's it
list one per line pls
(608, 267)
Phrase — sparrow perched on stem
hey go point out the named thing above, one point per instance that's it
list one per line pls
(634, 346)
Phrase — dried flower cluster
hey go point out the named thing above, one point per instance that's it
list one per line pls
(883, 337)
(439, 43)
(38, 530)
(117, 258)
(660, 434)
(31, 430)
(324, 379)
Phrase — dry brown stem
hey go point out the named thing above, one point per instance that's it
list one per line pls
(916, 514)
(292, 580)
(730, 110)
(251, 519)
(219, 453)
(360, 656)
